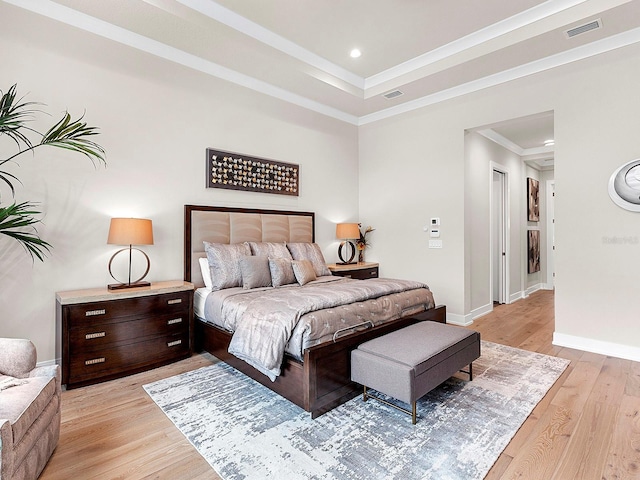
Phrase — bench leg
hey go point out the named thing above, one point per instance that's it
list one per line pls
(414, 415)
(469, 372)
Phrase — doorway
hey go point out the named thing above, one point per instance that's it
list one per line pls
(551, 245)
(499, 235)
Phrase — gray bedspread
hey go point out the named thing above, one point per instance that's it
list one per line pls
(263, 322)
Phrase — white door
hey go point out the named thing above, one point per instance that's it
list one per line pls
(499, 237)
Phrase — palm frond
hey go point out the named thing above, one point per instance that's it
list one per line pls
(6, 177)
(14, 116)
(14, 219)
(71, 134)
(18, 220)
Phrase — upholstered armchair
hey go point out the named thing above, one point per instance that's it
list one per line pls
(29, 411)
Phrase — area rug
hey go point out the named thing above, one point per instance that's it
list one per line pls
(245, 431)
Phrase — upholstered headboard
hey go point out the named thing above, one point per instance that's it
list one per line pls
(237, 225)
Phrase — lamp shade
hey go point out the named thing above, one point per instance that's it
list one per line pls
(130, 231)
(347, 231)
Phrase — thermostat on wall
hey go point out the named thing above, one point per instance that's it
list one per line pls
(435, 221)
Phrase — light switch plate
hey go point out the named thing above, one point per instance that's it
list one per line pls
(435, 243)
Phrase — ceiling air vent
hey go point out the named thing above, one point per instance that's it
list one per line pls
(394, 94)
(572, 32)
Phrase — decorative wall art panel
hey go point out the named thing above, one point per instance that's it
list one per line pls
(533, 244)
(235, 171)
(533, 194)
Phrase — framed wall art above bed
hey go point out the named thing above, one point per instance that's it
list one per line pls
(235, 171)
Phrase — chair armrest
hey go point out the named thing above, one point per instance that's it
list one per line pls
(49, 371)
(17, 357)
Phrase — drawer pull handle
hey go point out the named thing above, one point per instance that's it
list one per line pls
(372, 273)
(93, 361)
(91, 313)
(89, 336)
(174, 301)
(174, 321)
(174, 343)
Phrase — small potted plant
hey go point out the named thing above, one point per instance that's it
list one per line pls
(362, 242)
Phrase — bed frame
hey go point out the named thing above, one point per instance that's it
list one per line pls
(322, 380)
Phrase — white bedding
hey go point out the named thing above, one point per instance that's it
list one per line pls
(199, 299)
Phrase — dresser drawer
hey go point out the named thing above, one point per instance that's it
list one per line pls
(360, 273)
(115, 310)
(91, 335)
(101, 362)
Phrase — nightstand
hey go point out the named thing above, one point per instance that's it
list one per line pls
(108, 334)
(359, 271)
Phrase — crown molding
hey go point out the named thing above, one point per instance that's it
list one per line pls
(123, 36)
(608, 44)
(104, 29)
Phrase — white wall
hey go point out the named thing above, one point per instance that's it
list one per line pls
(481, 155)
(417, 159)
(156, 120)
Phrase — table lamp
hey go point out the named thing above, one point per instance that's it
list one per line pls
(347, 232)
(130, 231)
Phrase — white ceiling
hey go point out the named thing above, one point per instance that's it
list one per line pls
(298, 50)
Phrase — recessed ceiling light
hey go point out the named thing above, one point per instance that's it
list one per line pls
(355, 53)
(549, 143)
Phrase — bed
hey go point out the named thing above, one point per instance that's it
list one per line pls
(314, 370)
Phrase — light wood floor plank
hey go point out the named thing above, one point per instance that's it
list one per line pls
(589, 422)
(623, 460)
(588, 447)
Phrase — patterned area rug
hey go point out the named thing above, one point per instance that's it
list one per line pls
(245, 431)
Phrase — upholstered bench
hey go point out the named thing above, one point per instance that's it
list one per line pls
(408, 363)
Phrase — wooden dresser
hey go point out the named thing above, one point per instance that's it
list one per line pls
(110, 334)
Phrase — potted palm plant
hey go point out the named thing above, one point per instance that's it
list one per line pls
(18, 220)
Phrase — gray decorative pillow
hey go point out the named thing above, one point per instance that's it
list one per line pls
(224, 262)
(311, 252)
(281, 272)
(270, 249)
(304, 271)
(255, 272)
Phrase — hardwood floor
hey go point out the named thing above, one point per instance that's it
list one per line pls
(587, 426)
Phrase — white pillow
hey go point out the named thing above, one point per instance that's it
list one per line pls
(206, 272)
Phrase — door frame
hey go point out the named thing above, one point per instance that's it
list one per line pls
(503, 280)
(550, 214)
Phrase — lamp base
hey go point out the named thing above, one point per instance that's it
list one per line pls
(120, 286)
(344, 246)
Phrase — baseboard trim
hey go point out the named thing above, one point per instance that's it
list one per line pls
(48, 363)
(617, 350)
(514, 297)
(533, 288)
(460, 320)
(480, 311)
